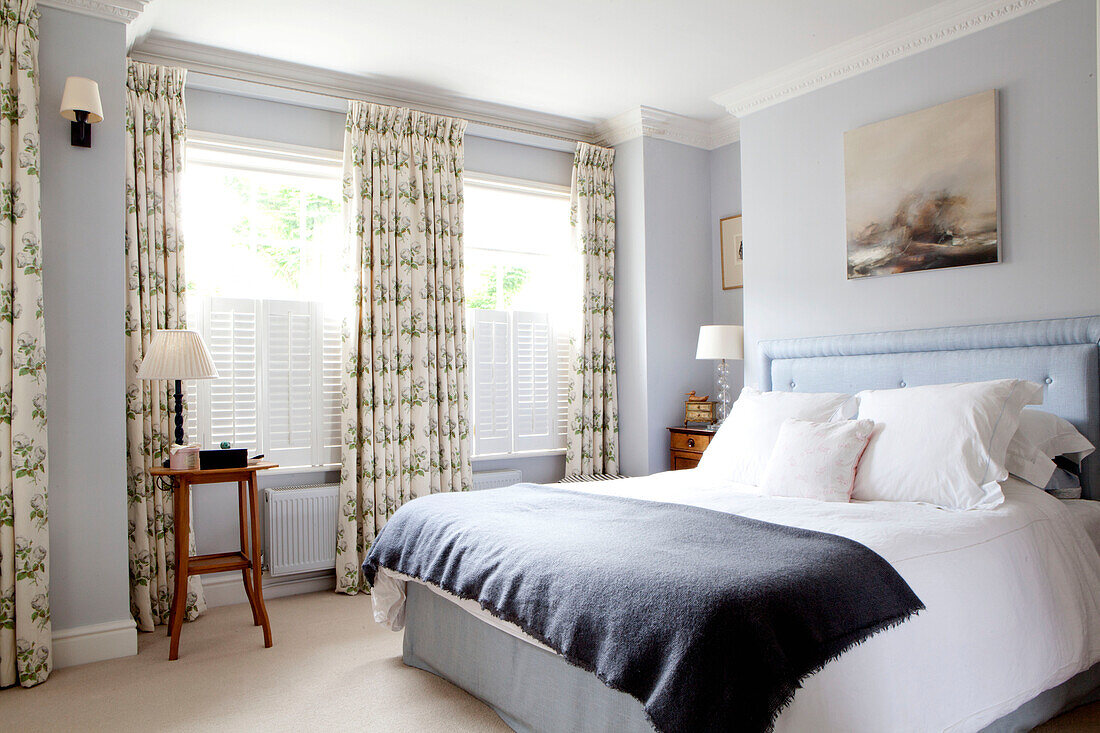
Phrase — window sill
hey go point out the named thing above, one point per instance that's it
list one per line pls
(283, 470)
(519, 454)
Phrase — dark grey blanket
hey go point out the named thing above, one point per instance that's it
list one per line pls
(709, 619)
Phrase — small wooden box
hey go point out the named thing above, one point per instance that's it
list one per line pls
(700, 412)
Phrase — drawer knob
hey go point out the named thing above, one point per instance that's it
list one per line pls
(691, 442)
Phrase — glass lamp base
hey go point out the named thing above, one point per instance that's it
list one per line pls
(723, 390)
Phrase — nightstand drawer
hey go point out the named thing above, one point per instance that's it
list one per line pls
(689, 441)
(681, 460)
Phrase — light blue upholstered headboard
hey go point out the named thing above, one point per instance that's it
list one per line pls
(1061, 354)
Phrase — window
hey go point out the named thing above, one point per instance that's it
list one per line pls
(522, 284)
(263, 230)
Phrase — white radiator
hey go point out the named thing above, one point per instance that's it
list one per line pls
(300, 528)
(496, 479)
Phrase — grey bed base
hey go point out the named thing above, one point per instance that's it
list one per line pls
(535, 691)
(532, 689)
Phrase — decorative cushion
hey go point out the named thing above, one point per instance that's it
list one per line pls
(741, 448)
(942, 444)
(816, 460)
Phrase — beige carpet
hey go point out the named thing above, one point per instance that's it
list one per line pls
(331, 668)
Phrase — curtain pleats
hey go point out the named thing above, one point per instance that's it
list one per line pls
(25, 633)
(404, 411)
(156, 124)
(593, 434)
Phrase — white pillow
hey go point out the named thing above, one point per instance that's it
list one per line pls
(943, 444)
(816, 460)
(742, 446)
(1041, 437)
(1025, 460)
(1052, 435)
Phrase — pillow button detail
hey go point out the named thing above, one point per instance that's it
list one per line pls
(901, 384)
(792, 385)
(1048, 380)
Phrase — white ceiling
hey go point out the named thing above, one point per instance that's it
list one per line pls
(587, 59)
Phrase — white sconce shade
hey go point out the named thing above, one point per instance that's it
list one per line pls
(177, 354)
(81, 95)
(721, 342)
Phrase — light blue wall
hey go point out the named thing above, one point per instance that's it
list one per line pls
(228, 114)
(1043, 66)
(725, 200)
(663, 292)
(83, 278)
(679, 297)
(518, 161)
(630, 309)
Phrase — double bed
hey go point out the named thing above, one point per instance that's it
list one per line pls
(1010, 631)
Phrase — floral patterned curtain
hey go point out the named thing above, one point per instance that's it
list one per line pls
(593, 446)
(404, 383)
(156, 123)
(25, 646)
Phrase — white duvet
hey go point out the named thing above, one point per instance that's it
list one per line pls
(1012, 597)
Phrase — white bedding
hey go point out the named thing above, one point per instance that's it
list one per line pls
(1087, 513)
(1012, 596)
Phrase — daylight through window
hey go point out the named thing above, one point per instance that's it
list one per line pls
(523, 305)
(262, 231)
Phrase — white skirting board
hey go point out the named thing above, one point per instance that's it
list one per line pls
(114, 639)
(94, 643)
(227, 589)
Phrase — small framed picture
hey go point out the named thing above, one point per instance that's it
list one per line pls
(733, 253)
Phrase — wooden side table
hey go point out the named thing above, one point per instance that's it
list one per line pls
(686, 446)
(247, 559)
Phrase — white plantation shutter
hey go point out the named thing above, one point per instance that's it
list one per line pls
(328, 429)
(520, 369)
(533, 382)
(492, 367)
(563, 372)
(191, 399)
(288, 348)
(278, 391)
(232, 401)
(191, 386)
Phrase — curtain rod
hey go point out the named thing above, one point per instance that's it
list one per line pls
(345, 98)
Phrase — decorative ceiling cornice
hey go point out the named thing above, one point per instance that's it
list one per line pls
(650, 122)
(122, 11)
(234, 72)
(724, 131)
(913, 34)
(296, 78)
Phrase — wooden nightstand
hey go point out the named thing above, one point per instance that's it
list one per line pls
(247, 560)
(686, 446)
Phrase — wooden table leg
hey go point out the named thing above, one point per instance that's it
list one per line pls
(172, 603)
(242, 495)
(257, 586)
(182, 525)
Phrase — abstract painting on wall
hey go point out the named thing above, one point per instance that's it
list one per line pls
(921, 189)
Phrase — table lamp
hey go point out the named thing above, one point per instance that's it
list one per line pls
(722, 342)
(178, 355)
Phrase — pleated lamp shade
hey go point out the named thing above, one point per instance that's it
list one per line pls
(177, 354)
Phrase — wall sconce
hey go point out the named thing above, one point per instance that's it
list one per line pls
(80, 105)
